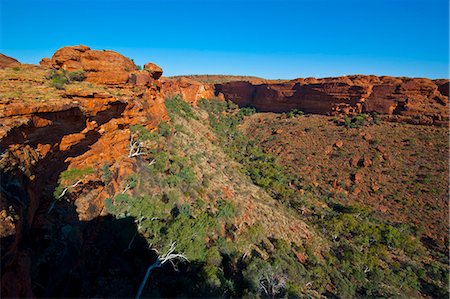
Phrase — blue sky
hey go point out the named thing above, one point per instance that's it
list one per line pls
(271, 39)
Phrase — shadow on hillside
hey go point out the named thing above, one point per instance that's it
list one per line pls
(105, 257)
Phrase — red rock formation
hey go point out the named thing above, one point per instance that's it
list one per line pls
(101, 67)
(85, 126)
(6, 61)
(46, 63)
(155, 71)
(190, 90)
(409, 97)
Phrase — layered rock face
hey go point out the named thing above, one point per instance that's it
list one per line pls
(45, 131)
(191, 90)
(101, 67)
(408, 97)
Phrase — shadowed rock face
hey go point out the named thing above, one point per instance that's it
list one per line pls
(352, 94)
(6, 61)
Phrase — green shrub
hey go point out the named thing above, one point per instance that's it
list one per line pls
(143, 133)
(106, 175)
(294, 113)
(164, 129)
(245, 111)
(356, 121)
(58, 82)
(70, 177)
(58, 78)
(187, 175)
(176, 106)
(226, 209)
(131, 181)
(76, 76)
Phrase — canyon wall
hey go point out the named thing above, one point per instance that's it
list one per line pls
(403, 97)
(45, 131)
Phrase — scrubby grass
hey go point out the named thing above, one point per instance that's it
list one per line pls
(59, 78)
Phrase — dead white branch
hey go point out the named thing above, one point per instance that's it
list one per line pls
(127, 187)
(135, 148)
(67, 188)
(62, 194)
(170, 256)
(272, 284)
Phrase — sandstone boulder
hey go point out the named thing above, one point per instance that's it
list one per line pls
(140, 78)
(154, 70)
(101, 67)
(106, 67)
(46, 63)
(68, 58)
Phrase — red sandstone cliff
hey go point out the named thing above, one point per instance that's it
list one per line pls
(44, 131)
(405, 97)
(191, 90)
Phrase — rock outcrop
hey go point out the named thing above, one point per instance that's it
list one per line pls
(155, 71)
(6, 61)
(403, 97)
(101, 67)
(44, 131)
(191, 90)
(46, 63)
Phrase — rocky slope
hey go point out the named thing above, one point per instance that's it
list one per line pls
(6, 61)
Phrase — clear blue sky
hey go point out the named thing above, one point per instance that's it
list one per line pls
(272, 39)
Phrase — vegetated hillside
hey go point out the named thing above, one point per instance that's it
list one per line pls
(188, 192)
(369, 254)
(399, 171)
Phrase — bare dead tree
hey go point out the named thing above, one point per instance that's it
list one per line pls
(135, 147)
(272, 284)
(62, 195)
(126, 188)
(170, 256)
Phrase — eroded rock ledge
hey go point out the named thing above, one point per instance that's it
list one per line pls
(409, 97)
